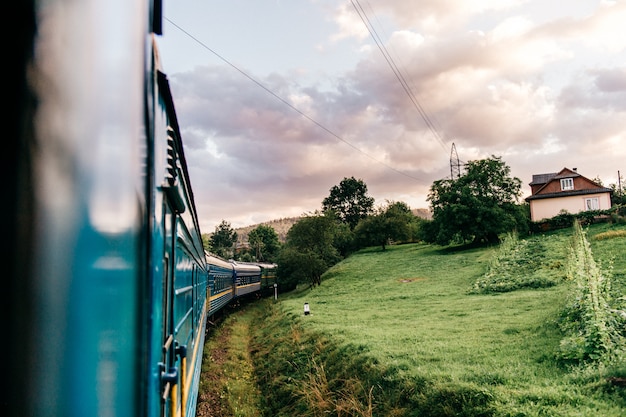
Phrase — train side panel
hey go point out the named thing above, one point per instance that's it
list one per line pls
(80, 239)
(247, 278)
(221, 282)
(180, 275)
(111, 304)
(231, 279)
(268, 276)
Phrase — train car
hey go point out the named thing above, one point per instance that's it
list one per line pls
(247, 278)
(107, 282)
(268, 276)
(178, 279)
(221, 282)
(229, 280)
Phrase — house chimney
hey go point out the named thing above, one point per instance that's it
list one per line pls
(575, 169)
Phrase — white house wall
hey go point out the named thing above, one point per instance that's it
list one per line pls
(549, 207)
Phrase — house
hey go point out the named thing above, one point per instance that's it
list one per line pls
(565, 190)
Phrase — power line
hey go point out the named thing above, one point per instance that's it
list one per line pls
(306, 116)
(394, 68)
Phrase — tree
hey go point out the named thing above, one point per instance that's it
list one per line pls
(264, 243)
(349, 200)
(391, 223)
(343, 239)
(400, 221)
(618, 196)
(309, 249)
(206, 241)
(478, 206)
(223, 240)
(297, 265)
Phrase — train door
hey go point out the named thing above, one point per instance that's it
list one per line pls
(170, 375)
(173, 354)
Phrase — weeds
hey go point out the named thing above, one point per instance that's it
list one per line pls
(516, 264)
(593, 326)
(610, 234)
(323, 400)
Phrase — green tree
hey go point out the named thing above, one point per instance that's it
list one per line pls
(618, 196)
(349, 200)
(478, 206)
(401, 222)
(393, 222)
(343, 239)
(297, 265)
(223, 240)
(264, 243)
(309, 250)
(206, 242)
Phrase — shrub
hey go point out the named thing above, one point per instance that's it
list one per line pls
(516, 264)
(564, 219)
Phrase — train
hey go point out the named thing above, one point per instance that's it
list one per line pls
(109, 288)
(230, 280)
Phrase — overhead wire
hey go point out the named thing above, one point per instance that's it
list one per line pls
(394, 68)
(287, 103)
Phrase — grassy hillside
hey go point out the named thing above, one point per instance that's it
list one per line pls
(405, 333)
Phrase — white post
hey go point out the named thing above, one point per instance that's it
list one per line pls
(306, 309)
(275, 291)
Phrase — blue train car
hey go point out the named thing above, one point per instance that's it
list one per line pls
(178, 279)
(107, 289)
(247, 278)
(229, 280)
(221, 282)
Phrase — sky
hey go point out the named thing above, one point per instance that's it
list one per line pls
(280, 100)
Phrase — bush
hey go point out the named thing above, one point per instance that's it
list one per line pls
(516, 264)
(564, 219)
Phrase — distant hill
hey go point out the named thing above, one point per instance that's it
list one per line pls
(282, 226)
(424, 213)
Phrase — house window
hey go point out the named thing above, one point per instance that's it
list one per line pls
(567, 184)
(592, 204)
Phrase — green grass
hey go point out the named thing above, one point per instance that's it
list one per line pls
(228, 387)
(408, 317)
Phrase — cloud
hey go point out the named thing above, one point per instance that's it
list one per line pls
(610, 80)
(240, 137)
(544, 91)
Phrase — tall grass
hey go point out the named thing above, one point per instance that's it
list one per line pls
(593, 321)
(518, 264)
(352, 398)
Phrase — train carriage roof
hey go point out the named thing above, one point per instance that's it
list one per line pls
(246, 267)
(214, 261)
(267, 265)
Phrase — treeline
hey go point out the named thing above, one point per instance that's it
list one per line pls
(347, 222)
(476, 208)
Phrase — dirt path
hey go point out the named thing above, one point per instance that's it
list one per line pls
(227, 385)
(212, 376)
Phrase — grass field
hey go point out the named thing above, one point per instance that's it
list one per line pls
(411, 307)
(404, 332)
